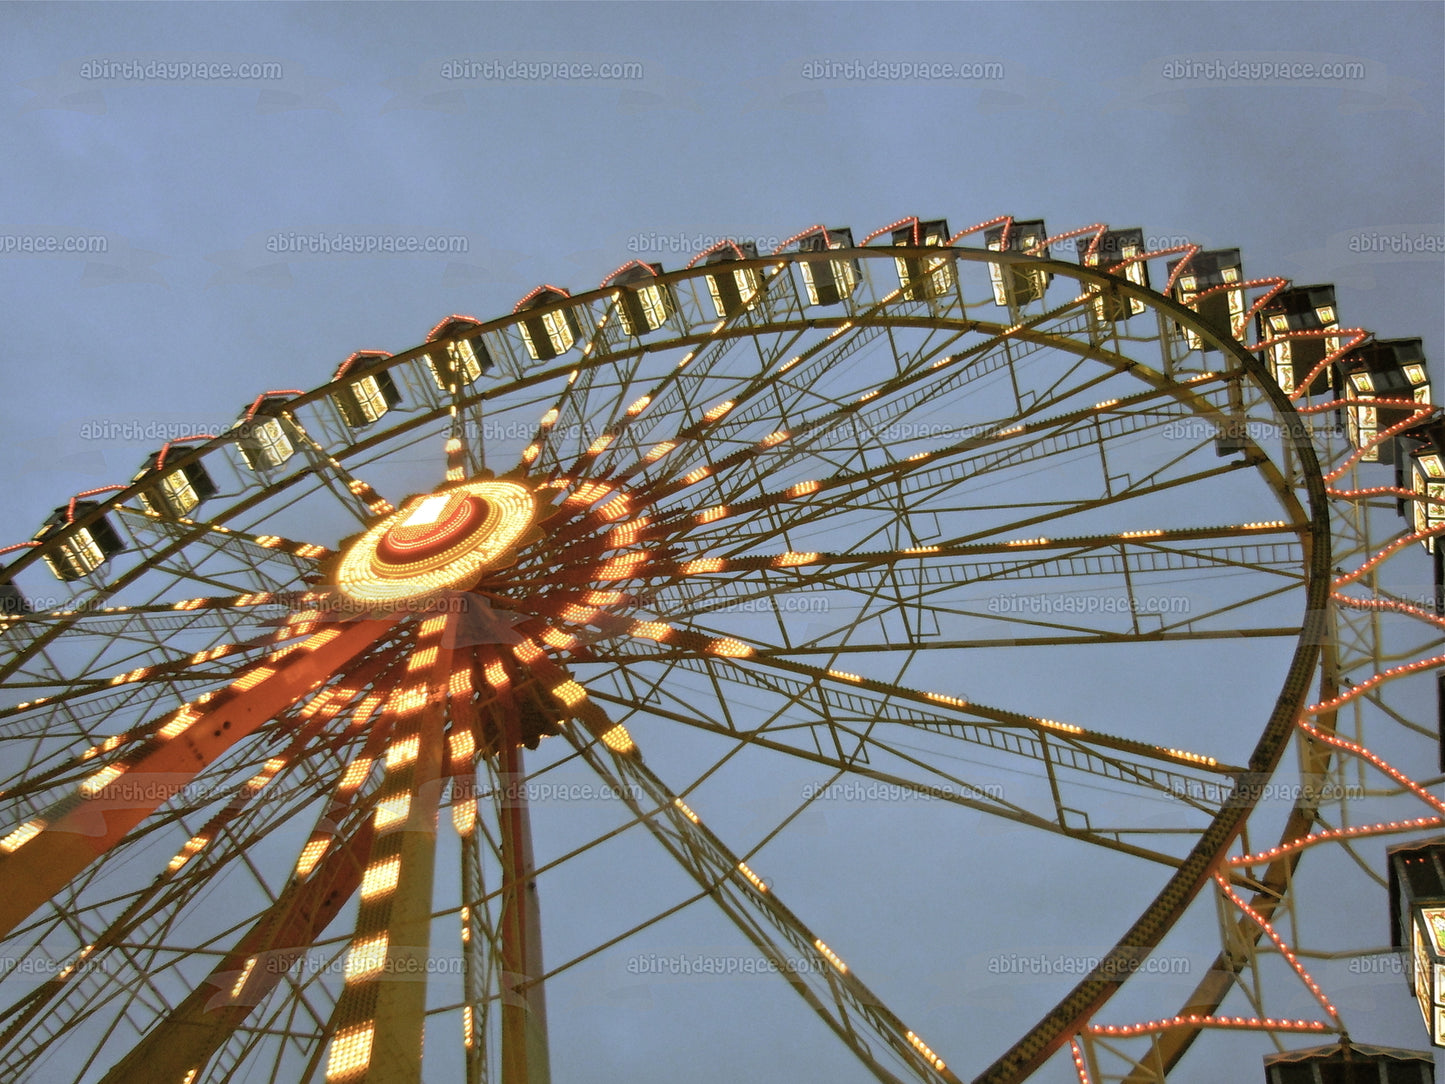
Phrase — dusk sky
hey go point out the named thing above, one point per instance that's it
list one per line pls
(201, 202)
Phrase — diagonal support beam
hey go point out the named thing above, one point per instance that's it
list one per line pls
(41, 857)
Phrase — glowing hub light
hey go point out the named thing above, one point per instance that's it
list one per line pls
(350, 1054)
(437, 543)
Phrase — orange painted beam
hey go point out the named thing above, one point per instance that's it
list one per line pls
(79, 829)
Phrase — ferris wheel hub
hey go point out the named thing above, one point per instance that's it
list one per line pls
(436, 542)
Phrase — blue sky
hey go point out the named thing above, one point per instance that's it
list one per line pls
(190, 311)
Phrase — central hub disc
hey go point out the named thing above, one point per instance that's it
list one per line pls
(439, 542)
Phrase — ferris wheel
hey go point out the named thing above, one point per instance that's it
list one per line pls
(885, 602)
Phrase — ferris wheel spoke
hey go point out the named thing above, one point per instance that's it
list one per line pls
(193, 1032)
(40, 856)
(876, 1036)
(377, 1024)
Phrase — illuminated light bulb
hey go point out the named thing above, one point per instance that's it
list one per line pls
(639, 406)
(403, 752)
(468, 1028)
(843, 675)
(578, 615)
(696, 475)
(1106, 404)
(831, 956)
(916, 456)
(392, 811)
(380, 878)
(627, 533)
(22, 835)
(460, 683)
(1011, 431)
(528, 652)
(802, 489)
(686, 812)
(367, 958)
(408, 700)
(179, 724)
(701, 565)
(570, 693)
(783, 368)
(464, 816)
(951, 701)
(432, 626)
(1067, 728)
(549, 418)
(496, 675)
(350, 1054)
(603, 598)
(309, 550)
(1142, 534)
(1026, 542)
(421, 659)
(599, 445)
(657, 451)
(310, 855)
(792, 559)
(588, 493)
(562, 641)
(461, 744)
(774, 438)
(240, 983)
(614, 509)
(918, 551)
(729, 648)
(753, 878)
(96, 783)
(650, 630)
(618, 739)
(713, 514)
(719, 411)
(531, 452)
(189, 604)
(928, 1055)
(250, 680)
(193, 845)
(867, 395)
